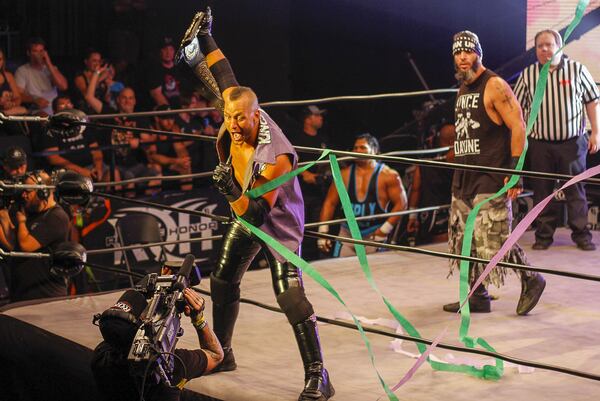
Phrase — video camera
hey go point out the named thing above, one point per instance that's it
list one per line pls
(10, 193)
(147, 320)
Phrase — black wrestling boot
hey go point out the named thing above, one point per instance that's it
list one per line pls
(317, 386)
(224, 317)
(480, 302)
(532, 288)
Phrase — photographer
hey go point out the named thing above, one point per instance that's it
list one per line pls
(34, 224)
(112, 371)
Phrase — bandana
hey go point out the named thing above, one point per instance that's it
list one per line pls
(466, 41)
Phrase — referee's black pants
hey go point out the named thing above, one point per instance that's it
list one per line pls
(566, 157)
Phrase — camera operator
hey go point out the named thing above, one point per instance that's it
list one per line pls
(112, 371)
(34, 223)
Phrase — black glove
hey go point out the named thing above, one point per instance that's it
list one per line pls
(223, 180)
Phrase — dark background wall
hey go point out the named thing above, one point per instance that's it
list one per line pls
(291, 49)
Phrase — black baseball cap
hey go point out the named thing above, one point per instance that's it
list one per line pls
(14, 157)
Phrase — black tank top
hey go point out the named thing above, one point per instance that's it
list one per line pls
(370, 204)
(479, 141)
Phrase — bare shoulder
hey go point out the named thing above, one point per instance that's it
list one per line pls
(387, 171)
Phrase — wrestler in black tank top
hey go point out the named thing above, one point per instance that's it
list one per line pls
(479, 141)
(370, 204)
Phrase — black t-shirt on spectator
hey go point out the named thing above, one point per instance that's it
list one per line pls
(78, 145)
(300, 138)
(202, 153)
(111, 373)
(31, 278)
(126, 156)
(168, 79)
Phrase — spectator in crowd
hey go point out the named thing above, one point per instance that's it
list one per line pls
(432, 186)
(169, 153)
(373, 188)
(315, 181)
(94, 65)
(558, 143)
(130, 159)
(163, 79)
(38, 226)
(14, 163)
(198, 122)
(39, 80)
(103, 101)
(10, 98)
(83, 155)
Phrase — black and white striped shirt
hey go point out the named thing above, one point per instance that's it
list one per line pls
(570, 87)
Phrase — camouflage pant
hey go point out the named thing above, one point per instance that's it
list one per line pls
(492, 227)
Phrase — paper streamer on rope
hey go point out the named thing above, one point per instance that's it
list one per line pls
(464, 292)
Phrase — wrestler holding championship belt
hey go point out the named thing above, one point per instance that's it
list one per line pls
(257, 151)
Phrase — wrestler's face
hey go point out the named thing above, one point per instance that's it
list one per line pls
(545, 47)
(466, 64)
(241, 119)
(362, 146)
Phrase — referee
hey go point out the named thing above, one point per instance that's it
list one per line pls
(557, 141)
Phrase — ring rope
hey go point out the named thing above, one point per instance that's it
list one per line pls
(279, 103)
(218, 218)
(390, 159)
(152, 245)
(440, 254)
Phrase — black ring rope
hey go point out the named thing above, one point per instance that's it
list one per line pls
(355, 155)
(428, 252)
(221, 219)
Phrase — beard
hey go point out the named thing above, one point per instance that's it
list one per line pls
(468, 75)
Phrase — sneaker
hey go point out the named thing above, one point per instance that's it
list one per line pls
(477, 304)
(540, 246)
(586, 245)
(531, 291)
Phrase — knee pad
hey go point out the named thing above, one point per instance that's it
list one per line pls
(294, 304)
(223, 292)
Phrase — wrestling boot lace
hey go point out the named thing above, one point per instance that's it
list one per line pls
(531, 290)
(480, 302)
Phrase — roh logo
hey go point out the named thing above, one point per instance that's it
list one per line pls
(174, 227)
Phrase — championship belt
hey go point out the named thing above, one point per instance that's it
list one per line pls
(189, 51)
